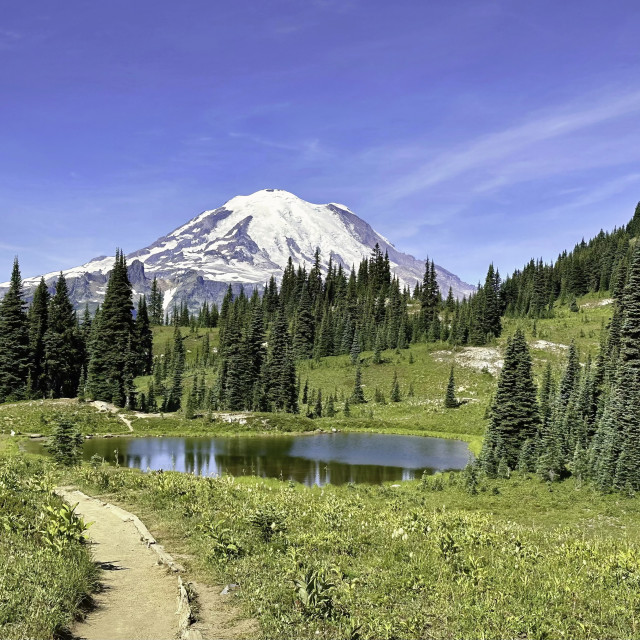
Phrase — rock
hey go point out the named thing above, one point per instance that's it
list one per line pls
(229, 588)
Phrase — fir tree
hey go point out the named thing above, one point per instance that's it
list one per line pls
(394, 396)
(450, 401)
(156, 303)
(63, 362)
(110, 376)
(280, 377)
(143, 340)
(357, 397)
(174, 397)
(354, 354)
(66, 441)
(38, 323)
(515, 414)
(82, 385)
(377, 354)
(317, 411)
(14, 340)
(331, 407)
(304, 334)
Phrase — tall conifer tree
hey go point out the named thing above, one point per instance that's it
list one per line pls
(110, 376)
(62, 342)
(14, 340)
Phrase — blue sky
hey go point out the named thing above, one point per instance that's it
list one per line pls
(470, 131)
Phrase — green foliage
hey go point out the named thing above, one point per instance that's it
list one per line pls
(14, 340)
(66, 441)
(450, 401)
(313, 593)
(63, 346)
(394, 395)
(357, 396)
(46, 572)
(514, 416)
(61, 526)
(224, 544)
(269, 522)
(113, 348)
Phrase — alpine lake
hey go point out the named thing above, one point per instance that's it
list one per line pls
(316, 459)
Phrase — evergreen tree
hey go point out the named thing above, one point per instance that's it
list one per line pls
(624, 420)
(174, 397)
(38, 323)
(546, 396)
(317, 411)
(354, 354)
(156, 303)
(377, 354)
(450, 401)
(305, 330)
(143, 340)
(66, 441)
(430, 299)
(515, 415)
(571, 376)
(82, 385)
(357, 397)
(331, 407)
(280, 378)
(14, 340)
(395, 389)
(63, 362)
(110, 376)
(152, 406)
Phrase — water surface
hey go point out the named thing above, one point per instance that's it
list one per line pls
(311, 459)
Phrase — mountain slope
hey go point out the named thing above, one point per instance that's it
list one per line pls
(243, 243)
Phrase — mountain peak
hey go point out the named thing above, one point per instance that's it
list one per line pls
(243, 243)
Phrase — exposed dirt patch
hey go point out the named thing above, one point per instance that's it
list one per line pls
(105, 406)
(549, 346)
(480, 358)
(597, 303)
(217, 615)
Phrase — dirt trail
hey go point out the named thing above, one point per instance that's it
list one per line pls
(105, 406)
(139, 597)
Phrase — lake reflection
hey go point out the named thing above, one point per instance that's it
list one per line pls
(315, 459)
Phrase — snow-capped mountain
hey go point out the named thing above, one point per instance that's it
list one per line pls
(243, 243)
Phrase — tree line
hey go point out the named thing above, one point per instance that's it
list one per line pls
(587, 424)
(46, 351)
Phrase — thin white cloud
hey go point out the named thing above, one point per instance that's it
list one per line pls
(9, 39)
(504, 145)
